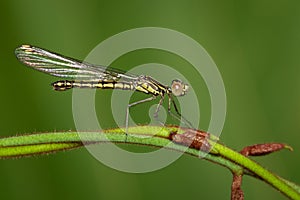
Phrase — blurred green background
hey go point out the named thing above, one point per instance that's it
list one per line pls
(255, 45)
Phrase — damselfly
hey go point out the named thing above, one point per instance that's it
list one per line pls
(86, 75)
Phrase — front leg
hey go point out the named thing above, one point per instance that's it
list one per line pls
(178, 116)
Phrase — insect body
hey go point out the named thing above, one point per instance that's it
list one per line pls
(86, 75)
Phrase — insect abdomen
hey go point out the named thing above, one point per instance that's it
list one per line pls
(62, 85)
(65, 85)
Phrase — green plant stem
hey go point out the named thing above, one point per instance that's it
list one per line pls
(42, 143)
(258, 170)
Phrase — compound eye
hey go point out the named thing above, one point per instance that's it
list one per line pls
(177, 88)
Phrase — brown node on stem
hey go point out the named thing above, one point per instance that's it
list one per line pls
(192, 138)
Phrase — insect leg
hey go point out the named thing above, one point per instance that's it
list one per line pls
(158, 108)
(178, 116)
(133, 104)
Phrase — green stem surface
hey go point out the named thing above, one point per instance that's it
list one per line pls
(43, 143)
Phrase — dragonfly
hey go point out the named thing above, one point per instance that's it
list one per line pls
(85, 75)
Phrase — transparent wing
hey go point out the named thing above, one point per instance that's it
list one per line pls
(61, 66)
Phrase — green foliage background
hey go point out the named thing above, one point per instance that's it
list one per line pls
(255, 44)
